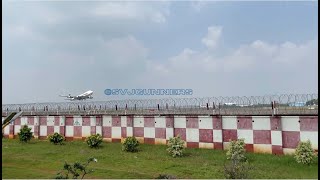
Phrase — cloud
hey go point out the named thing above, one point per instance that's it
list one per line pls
(131, 11)
(211, 40)
(302, 52)
(110, 60)
(251, 69)
(198, 5)
(124, 50)
(255, 68)
(109, 63)
(73, 47)
(64, 20)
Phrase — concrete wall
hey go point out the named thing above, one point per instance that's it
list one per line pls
(262, 134)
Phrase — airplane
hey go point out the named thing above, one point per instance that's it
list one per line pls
(230, 104)
(245, 105)
(205, 106)
(83, 96)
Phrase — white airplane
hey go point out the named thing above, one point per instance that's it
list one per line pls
(230, 104)
(245, 105)
(205, 106)
(83, 96)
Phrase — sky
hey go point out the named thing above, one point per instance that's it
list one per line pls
(215, 48)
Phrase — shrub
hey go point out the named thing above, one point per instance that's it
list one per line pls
(237, 150)
(56, 138)
(130, 144)
(25, 134)
(175, 146)
(304, 153)
(165, 176)
(94, 141)
(75, 170)
(236, 170)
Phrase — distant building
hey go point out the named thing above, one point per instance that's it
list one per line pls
(297, 104)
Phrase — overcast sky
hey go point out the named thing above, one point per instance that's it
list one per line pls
(214, 48)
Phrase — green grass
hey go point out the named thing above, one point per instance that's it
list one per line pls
(40, 159)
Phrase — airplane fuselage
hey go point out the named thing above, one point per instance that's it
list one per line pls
(83, 96)
(87, 93)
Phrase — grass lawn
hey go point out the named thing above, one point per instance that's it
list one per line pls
(40, 159)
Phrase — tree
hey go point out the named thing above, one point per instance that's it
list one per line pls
(312, 102)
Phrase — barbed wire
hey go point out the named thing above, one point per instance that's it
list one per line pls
(236, 105)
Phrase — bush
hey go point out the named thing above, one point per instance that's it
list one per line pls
(176, 146)
(130, 144)
(94, 141)
(74, 170)
(236, 170)
(304, 153)
(165, 176)
(237, 150)
(25, 134)
(56, 138)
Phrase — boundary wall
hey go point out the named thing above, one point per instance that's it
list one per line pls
(262, 134)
